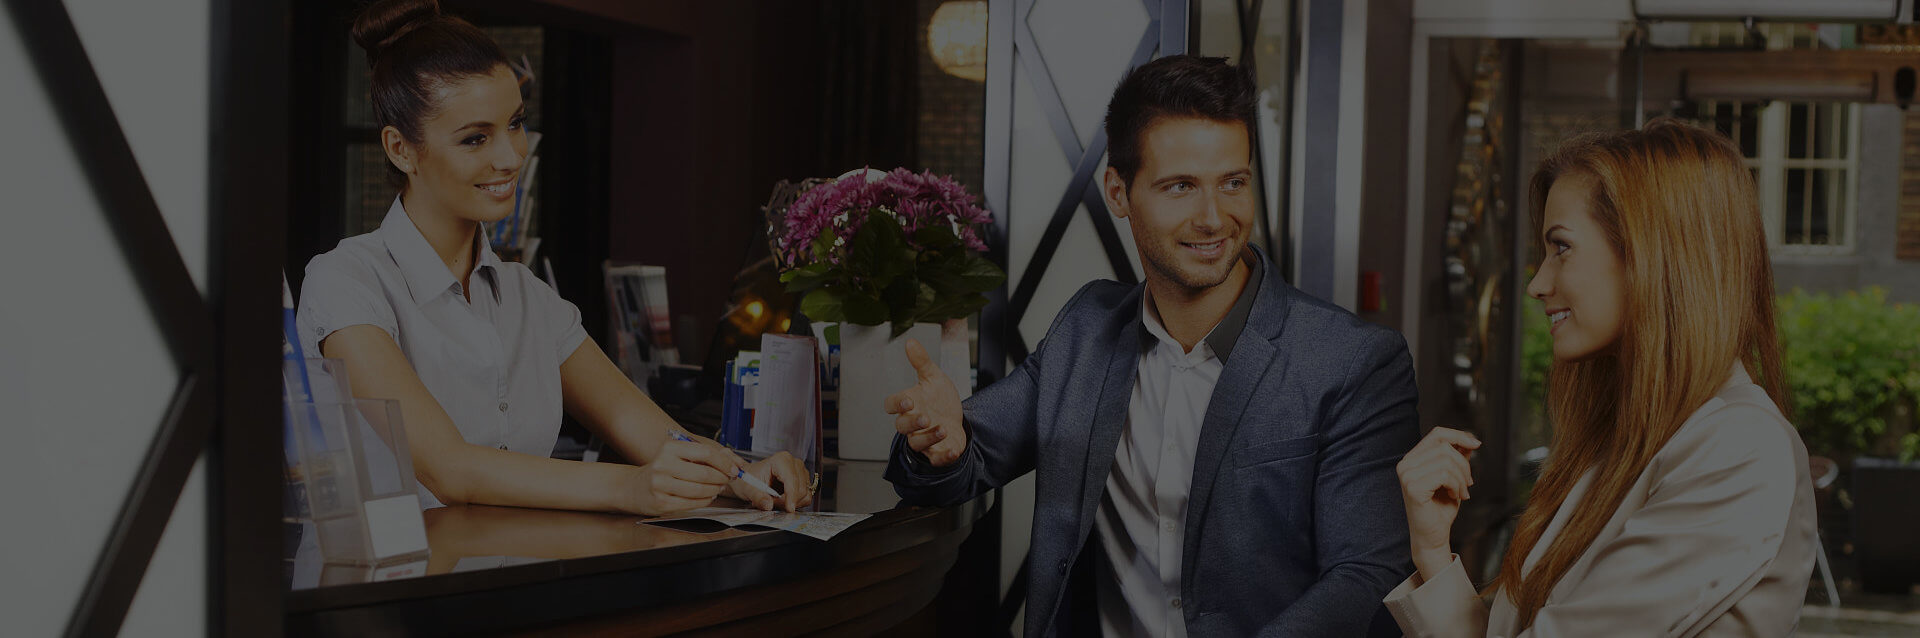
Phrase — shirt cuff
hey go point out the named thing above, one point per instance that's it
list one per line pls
(1448, 605)
(919, 464)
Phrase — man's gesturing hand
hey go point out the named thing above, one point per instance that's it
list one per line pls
(929, 412)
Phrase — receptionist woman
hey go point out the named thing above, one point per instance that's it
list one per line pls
(482, 355)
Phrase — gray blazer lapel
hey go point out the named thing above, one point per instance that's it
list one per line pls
(1253, 355)
(1239, 381)
(1109, 419)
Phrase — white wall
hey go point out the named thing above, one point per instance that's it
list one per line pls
(1086, 46)
(84, 371)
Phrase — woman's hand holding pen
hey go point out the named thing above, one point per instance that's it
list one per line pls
(796, 483)
(684, 475)
(1434, 481)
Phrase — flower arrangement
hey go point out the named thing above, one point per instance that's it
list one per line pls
(875, 248)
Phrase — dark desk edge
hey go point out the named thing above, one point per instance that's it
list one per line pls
(586, 586)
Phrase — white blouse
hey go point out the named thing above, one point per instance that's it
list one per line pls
(492, 363)
(1716, 538)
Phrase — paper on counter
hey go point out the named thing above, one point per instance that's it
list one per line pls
(821, 525)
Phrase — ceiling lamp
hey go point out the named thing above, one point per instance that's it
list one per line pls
(957, 38)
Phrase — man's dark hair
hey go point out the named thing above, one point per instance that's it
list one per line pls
(1174, 86)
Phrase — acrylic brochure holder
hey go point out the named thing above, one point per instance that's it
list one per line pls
(351, 455)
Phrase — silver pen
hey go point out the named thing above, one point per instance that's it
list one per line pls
(751, 480)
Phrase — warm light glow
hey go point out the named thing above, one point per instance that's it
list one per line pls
(785, 324)
(957, 38)
(755, 309)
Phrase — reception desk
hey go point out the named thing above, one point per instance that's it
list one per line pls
(511, 570)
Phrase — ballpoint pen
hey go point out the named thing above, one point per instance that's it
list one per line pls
(738, 473)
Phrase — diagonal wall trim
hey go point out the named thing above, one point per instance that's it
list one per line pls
(1057, 226)
(1027, 50)
(1104, 227)
(143, 515)
(1175, 20)
(87, 118)
(64, 71)
(1153, 9)
(1083, 188)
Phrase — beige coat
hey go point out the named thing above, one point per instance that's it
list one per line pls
(1716, 538)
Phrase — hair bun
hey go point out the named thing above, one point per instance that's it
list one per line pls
(386, 21)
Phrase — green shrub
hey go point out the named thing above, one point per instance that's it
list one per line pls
(1536, 357)
(1852, 361)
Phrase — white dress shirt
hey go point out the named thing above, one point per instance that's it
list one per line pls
(1141, 522)
(491, 359)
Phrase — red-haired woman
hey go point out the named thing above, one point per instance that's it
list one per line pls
(1676, 499)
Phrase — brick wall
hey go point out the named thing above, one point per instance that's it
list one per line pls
(953, 113)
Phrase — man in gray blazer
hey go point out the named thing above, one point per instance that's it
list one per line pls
(1215, 450)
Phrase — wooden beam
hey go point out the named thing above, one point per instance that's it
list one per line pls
(1842, 75)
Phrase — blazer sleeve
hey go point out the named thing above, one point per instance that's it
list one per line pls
(1445, 607)
(1360, 525)
(1710, 529)
(1002, 428)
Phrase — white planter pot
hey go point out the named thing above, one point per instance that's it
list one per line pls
(874, 366)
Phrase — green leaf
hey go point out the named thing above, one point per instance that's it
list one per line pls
(825, 304)
(982, 275)
(883, 249)
(906, 299)
(807, 277)
(955, 307)
(863, 309)
(823, 245)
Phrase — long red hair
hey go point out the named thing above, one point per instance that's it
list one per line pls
(1677, 203)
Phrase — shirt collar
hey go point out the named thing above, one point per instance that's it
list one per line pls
(427, 276)
(1738, 376)
(1219, 341)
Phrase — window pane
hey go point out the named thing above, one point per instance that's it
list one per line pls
(526, 42)
(1843, 130)
(1838, 206)
(1819, 229)
(1749, 129)
(1797, 116)
(368, 192)
(1794, 230)
(1721, 115)
(1829, 131)
(358, 111)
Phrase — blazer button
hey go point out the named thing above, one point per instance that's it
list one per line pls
(503, 406)
(1063, 566)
